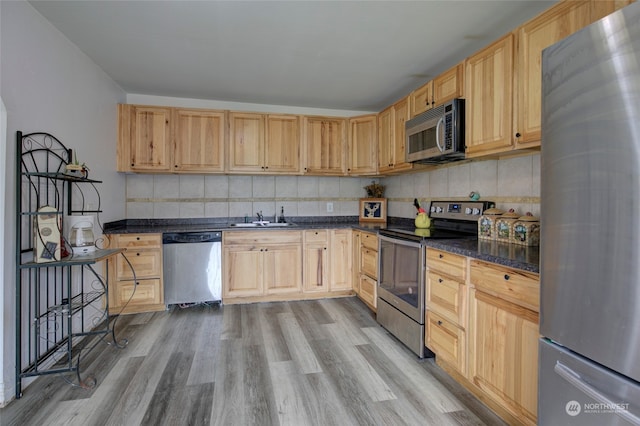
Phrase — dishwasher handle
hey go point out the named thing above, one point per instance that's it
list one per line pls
(191, 237)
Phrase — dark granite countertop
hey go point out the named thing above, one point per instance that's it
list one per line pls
(510, 255)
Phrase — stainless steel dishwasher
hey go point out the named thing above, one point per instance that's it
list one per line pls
(192, 267)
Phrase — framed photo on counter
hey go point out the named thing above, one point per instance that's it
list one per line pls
(373, 210)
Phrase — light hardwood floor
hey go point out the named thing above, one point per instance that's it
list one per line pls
(324, 362)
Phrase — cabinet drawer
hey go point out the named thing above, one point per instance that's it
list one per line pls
(317, 236)
(519, 287)
(139, 240)
(368, 290)
(369, 240)
(446, 340)
(446, 296)
(147, 292)
(261, 237)
(447, 263)
(145, 263)
(369, 262)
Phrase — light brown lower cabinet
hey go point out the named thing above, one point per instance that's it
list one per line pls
(446, 303)
(261, 263)
(365, 267)
(275, 265)
(447, 340)
(503, 339)
(145, 293)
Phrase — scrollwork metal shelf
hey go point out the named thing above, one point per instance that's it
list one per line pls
(62, 308)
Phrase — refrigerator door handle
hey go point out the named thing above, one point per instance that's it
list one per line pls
(574, 379)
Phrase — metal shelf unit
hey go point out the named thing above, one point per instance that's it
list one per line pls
(62, 310)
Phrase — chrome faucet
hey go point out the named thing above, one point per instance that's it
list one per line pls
(260, 217)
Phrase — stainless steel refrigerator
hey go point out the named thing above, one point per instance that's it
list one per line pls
(589, 359)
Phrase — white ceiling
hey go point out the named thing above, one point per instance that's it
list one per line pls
(349, 55)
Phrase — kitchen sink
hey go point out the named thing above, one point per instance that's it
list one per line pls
(261, 224)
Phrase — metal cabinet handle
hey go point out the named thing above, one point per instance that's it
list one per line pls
(439, 322)
(440, 280)
(441, 255)
(506, 277)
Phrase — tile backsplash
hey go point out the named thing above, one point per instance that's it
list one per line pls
(511, 183)
(191, 196)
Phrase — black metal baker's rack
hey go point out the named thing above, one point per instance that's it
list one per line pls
(62, 310)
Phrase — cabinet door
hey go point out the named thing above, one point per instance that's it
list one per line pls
(199, 140)
(421, 99)
(242, 272)
(316, 266)
(282, 268)
(558, 22)
(150, 138)
(246, 142)
(386, 140)
(368, 291)
(340, 259)
(449, 85)
(400, 117)
(447, 340)
(134, 294)
(489, 92)
(325, 144)
(363, 145)
(282, 144)
(503, 355)
(447, 297)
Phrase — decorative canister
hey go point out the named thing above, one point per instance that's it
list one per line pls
(504, 226)
(526, 231)
(487, 224)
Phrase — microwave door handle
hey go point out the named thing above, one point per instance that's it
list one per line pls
(441, 148)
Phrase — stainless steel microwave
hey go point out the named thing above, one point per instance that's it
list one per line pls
(437, 136)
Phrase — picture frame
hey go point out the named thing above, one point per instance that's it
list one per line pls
(373, 210)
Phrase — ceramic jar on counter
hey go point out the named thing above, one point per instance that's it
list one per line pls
(504, 226)
(487, 224)
(526, 231)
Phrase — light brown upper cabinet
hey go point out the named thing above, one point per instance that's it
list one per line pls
(199, 140)
(421, 99)
(392, 138)
(503, 81)
(363, 145)
(325, 145)
(489, 92)
(282, 144)
(534, 36)
(144, 138)
(164, 139)
(446, 86)
(260, 143)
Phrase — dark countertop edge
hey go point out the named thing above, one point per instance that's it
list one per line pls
(509, 255)
(513, 256)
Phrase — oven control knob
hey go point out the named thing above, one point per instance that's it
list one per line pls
(438, 209)
(467, 210)
(476, 211)
(433, 209)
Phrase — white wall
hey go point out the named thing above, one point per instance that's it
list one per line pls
(48, 85)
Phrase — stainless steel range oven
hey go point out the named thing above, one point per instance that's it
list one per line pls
(402, 267)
